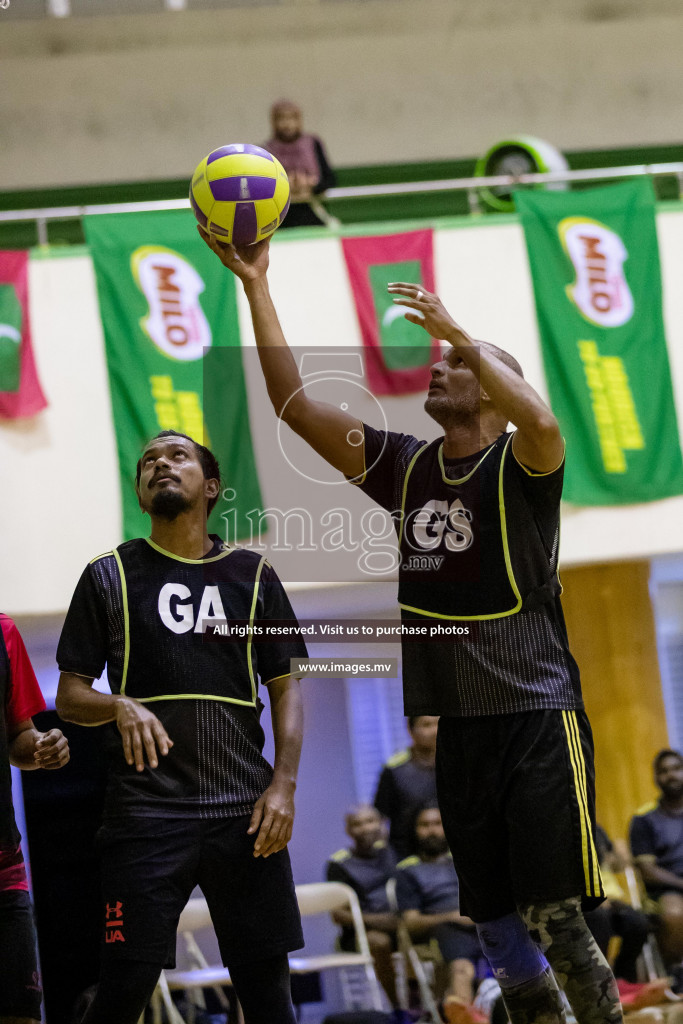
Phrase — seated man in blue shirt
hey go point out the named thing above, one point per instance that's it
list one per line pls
(428, 898)
(407, 782)
(367, 867)
(656, 837)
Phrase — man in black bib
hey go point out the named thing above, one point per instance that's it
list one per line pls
(191, 799)
(514, 761)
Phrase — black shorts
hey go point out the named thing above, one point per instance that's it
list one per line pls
(517, 798)
(150, 867)
(20, 990)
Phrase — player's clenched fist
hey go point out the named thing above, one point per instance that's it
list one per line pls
(51, 749)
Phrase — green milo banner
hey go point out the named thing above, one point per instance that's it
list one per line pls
(596, 276)
(173, 353)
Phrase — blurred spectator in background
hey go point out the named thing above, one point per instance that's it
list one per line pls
(616, 916)
(428, 898)
(656, 836)
(367, 867)
(303, 157)
(408, 782)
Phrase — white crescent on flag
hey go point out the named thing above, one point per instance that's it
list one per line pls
(393, 313)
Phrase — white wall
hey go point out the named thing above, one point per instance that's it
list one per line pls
(60, 502)
(146, 96)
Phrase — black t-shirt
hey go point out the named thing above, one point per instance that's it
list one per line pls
(428, 886)
(657, 835)
(367, 876)
(471, 561)
(143, 612)
(404, 786)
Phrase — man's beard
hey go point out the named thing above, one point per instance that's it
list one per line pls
(433, 846)
(169, 505)
(446, 414)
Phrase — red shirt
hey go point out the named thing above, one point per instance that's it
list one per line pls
(24, 700)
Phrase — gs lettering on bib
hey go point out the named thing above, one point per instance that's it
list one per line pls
(456, 560)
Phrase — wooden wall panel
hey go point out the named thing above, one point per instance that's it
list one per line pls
(612, 636)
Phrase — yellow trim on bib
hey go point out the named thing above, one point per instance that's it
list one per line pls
(506, 550)
(197, 696)
(126, 622)
(190, 561)
(462, 479)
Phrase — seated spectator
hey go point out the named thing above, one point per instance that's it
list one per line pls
(656, 837)
(408, 782)
(367, 867)
(428, 898)
(303, 157)
(616, 916)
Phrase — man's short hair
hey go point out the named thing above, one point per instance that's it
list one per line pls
(209, 462)
(504, 357)
(427, 805)
(355, 809)
(662, 755)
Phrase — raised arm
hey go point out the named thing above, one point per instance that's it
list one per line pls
(538, 442)
(333, 433)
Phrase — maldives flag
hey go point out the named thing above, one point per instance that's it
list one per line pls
(398, 354)
(20, 392)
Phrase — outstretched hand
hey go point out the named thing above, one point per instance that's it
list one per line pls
(248, 262)
(430, 312)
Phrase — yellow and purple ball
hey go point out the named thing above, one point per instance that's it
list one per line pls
(240, 193)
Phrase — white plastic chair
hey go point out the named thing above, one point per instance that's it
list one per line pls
(198, 976)
(324, 898)
(407, 949)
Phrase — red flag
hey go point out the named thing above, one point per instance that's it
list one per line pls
(20, 391)
(398, 354)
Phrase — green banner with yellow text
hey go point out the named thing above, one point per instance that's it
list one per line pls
(595, 268)
(173, 353)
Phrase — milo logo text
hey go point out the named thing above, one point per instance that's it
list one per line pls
(176, 322)
(600, 292)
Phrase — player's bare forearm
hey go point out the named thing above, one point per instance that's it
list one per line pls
(287, 714)
(77, 702)
(332, 432)
(273, 815)
(282, 377)
(30, 749)
(142, 735)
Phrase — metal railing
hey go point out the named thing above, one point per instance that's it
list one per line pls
(471, 185)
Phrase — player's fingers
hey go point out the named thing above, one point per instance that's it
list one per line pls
(279, 835)
(256, 816)
(415, 318)
(138, 757)
(55, 754)
(127, 746)
(161, 737)
(263, 837)
(405, 286)
(150, 747)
